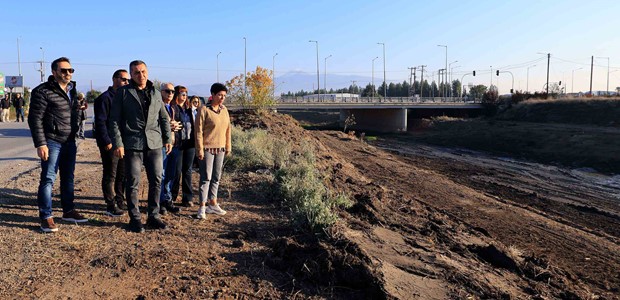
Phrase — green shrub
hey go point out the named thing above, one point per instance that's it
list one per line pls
(251, 149)
(300, 185)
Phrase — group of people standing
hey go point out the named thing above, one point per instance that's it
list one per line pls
(5, 106)
(135, 125)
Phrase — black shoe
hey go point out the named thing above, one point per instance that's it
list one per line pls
(135, 226)
(114, 211)
(155, 223)
(187, 203)
(121, 204)
(168, 207)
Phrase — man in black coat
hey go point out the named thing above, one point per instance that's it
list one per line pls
(5, 106)
(53, 122)
(113, 181)
(19, 104)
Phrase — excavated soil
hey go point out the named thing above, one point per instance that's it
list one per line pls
(427, 223)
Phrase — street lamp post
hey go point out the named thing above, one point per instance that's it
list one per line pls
(318, 88)
(374, 90)
(527, 79)
(445, 46)
(217, 62)
(451, 74)
(384, 80)
(19, 64)
(449, 78)
(607, 72)
(273, 75)
(245, 67)
(325, 73)
(572, 84)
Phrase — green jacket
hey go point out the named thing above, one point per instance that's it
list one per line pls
(129, 128)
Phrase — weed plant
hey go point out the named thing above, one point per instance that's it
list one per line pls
(300, 185)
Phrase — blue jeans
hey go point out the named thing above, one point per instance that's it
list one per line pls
(19, 112)
(61, 157)
(170, 172)
(152, 161)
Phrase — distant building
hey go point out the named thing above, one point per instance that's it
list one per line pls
(342, 97)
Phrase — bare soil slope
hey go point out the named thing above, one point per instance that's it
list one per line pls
(422, 227)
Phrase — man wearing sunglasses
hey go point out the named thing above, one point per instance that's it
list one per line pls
(140, 127)
(53, 122)
(113, 180)
(166, 202)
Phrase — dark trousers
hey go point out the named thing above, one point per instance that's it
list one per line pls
(19, 112)
(113, 180)
(184, 175)
(152, 160)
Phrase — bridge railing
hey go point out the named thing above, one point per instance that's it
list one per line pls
(294, 99)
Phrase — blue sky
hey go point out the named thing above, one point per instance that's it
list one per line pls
(180, 40)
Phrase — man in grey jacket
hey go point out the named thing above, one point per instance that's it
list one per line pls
(140, 127)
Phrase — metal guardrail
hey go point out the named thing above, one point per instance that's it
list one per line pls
(369, 102)
(379, 100)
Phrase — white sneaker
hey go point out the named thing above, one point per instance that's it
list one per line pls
(201, 213)
(215, 209)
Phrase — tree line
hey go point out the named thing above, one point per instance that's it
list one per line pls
(404, 89)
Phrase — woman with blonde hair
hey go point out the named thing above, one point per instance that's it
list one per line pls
(213, 142)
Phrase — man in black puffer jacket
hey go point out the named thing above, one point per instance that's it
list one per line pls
(53, 122)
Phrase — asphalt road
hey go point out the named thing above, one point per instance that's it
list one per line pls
(16, 142)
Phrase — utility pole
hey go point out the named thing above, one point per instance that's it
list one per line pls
(412, 85)
(422, 80)
(548, 62)
(411, 69)
(42, 65)
(591, 73)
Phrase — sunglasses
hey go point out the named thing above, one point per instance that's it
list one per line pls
(123, 79)
(169, 91)
(67, 71)
(183, 94)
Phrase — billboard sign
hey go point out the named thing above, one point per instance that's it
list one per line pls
(14, 81)
(1, 84)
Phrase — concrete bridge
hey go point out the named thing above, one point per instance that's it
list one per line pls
(383, 114)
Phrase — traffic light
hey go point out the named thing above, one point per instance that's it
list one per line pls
(474, 73)
(511, 91)
(497, 72)
(560, 82)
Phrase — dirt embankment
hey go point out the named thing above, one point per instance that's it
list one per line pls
(419, 229)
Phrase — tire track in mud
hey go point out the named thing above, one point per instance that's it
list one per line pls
(588, 260)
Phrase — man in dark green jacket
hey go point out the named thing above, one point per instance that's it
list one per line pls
(139, 128)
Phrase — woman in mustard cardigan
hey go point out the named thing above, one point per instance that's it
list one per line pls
(212, 144)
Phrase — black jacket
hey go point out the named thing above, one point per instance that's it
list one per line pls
(51, 114)
(19, 103)
(187, 133)
(103, 105)
(175, 114)
(5, 103)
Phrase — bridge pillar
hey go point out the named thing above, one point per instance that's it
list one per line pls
(382, 120)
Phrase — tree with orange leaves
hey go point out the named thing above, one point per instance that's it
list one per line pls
(259, 89)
